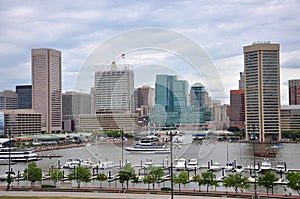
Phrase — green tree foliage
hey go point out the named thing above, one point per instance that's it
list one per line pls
(293, 135)
(32, 173)
(101, 177)
(156, 173)
(56, 175)
(197, 178)
(117, 134)
(233, 129)
(148, 180)
(293, 181)
(126, 174)
(182, 178)
(80, 174)
(267, 180)
(209, 179)
(236, 181)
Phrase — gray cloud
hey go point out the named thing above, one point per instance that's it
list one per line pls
(77, 27)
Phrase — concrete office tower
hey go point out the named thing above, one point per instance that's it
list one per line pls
(115, 89)
(294, 92)
(8, 100)
(46, 87)
(237, 108)
(75, 103)
(262, 91)
(24, 96)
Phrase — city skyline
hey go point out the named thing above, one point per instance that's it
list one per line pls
(221, 30)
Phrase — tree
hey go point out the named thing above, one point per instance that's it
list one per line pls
(233, 129)
(209, 179)
(32, 173)
(56, 175)
(101, 177)
(80, 174)
(126, 174)
(156, 173)
(182, 178)
(236, 181)
(267, 181)
(148, 180)
(197, 178)
(293, 181)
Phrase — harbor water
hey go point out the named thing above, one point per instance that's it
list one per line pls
(205, 153)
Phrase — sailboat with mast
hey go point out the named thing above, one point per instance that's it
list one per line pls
(228, 165)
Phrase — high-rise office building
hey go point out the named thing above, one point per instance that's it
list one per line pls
(196, 93)
(114, 89)
(262, 91)
(8, 100)
(171, 95)
(46, 87)
(24, 96)
(144, 96)
(294, 92)
(237, 108)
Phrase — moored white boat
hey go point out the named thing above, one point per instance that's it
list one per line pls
(229, 166)
(72, 163)
(5, 175)
(216, 166)
(181, 164)
(192, 164)
(238, 169)
(87, 163)
(265, 165)
(280, 167)
(149, 162)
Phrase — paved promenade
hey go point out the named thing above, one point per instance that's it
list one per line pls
(99, 195)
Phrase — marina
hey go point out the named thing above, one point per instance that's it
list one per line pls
(108, 157)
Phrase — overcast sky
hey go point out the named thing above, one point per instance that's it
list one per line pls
(146, 32)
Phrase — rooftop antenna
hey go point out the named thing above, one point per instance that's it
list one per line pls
(123, 57)
(113, 64)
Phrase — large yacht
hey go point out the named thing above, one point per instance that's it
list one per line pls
(18, 155)
(149, 144)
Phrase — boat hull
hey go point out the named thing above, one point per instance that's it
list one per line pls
(147, 150)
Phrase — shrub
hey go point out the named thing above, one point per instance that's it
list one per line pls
(165, 189)
(48, 186)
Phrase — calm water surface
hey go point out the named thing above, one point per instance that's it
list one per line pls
(206, 152)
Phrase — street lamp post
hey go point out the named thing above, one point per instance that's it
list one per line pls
(9, 160)
(171, 134)
(122, 156)
(11, 117)
(253, 138)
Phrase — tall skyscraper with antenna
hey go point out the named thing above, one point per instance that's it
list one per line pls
(262, 91)
(114, 88)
